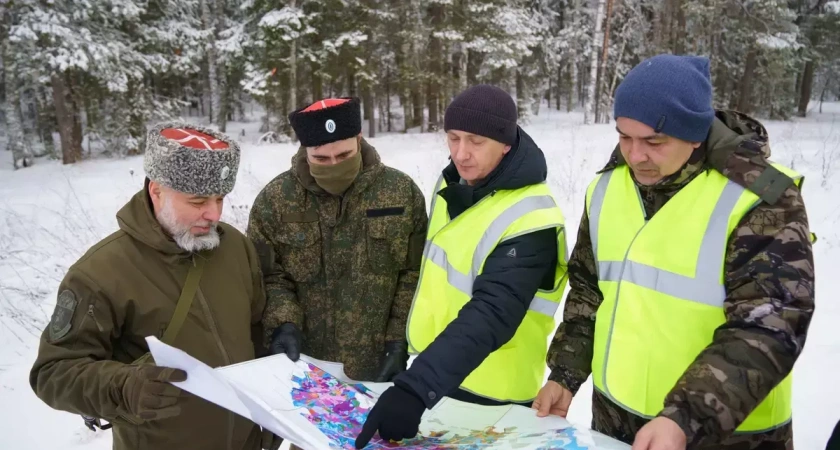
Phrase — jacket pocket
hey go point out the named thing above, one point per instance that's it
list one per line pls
(300, 252)
(387, 243)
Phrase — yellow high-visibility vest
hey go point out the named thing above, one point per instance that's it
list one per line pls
(663, 286)
(454, 256)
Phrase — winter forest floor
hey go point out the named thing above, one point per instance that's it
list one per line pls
(50, 214)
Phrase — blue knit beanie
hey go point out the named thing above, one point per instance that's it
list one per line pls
(671, 94)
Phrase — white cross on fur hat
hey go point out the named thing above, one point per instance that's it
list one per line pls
(191, 159)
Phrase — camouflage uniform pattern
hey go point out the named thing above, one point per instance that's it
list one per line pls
(343, 269)
(770, 300)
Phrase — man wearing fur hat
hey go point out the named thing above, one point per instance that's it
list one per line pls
(340, 236)
(173, 271)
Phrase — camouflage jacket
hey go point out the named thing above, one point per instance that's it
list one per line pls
(343, 269)
(769, 302)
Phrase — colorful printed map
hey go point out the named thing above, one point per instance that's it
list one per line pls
(335, 409)
(314, 405)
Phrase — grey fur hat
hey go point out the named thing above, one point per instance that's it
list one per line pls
(191, 159)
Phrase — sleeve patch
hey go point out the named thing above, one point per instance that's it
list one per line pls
(62, 317)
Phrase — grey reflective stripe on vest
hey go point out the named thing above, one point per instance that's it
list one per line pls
(596, 203)
(455, 278)
(492, 235)
(496, 230)
(705, 287)
(464, 282)
(695, 289)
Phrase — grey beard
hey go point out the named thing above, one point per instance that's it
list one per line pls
(183, 236)
(192, 243)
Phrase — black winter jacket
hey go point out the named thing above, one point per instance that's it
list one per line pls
(501, 293)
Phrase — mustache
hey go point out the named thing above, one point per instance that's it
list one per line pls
(645, 166)
(204, 224)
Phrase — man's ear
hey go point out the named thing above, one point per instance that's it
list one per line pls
(154, 192)
(694, 145)
(507, 149)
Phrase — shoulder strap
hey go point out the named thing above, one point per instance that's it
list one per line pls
(771, 184)
(184, 302)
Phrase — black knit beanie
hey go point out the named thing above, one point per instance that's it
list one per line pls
(483, 110)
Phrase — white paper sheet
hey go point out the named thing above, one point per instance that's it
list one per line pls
(211, 385)
(316, 409)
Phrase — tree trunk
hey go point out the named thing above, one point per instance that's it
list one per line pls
(825, 88)
(600, 115)
(573, 81)
(406, 104)
(435, 73)
(388, 98)
(317, 83)
(293, 75)
(462, 84)
(474, 61)
(680, 35)
(417, 102)
(617, 62)
(221, 72)
(16, 141)
(548, 91)
(521, 95)
(559, 86)
(210, 49)
(70, 151)
(807, 86)
(369, 110)
(459, 71)
(351, 82)
(433, 90)
(45, 121)
(589, 106)
(745, 91)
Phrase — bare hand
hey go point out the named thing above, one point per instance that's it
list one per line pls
(660, 433)
(553, 399)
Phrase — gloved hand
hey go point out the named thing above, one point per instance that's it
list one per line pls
(270, 441)
(147, 393)
(286, 339)
(396, 415)
(394, 361)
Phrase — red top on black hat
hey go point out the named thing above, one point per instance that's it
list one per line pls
(195, 139)
(326, 103)
(327, 120)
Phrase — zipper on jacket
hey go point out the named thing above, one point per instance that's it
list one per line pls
(93, 316)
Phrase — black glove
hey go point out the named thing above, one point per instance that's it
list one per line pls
(396, 415)
(394, 361)
(286, 339)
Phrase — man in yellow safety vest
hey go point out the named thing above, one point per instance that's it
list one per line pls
(492, 275)
(692, 279)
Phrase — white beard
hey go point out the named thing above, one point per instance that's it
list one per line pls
(182, 234)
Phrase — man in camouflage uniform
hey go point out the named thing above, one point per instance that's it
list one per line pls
(768, 270)
(341, 237)
(93, 359)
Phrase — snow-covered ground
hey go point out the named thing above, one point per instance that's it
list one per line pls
(50, 214)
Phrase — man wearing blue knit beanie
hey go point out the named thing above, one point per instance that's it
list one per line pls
(692, 278)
